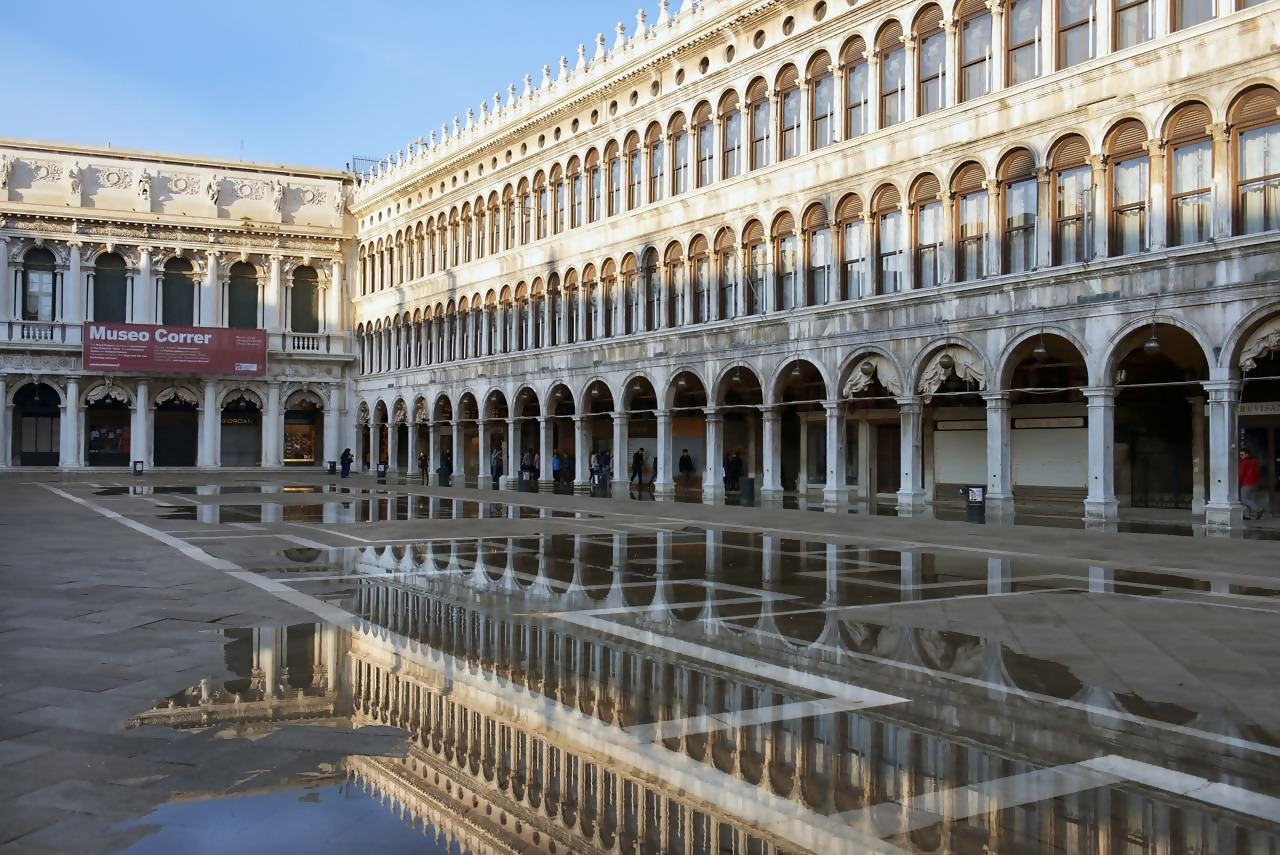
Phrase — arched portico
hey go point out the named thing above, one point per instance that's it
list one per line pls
(492, 430)
(691, 433)
(597, 429)
(739, 397)
(466, 445)
(1256, 360)
(37, 425)
(870, 385)
(240, 429)
(558, 441)
(526, 409)
(108, 423)
(306, 434)
(639, 440)
(379, 435)
(799, 446)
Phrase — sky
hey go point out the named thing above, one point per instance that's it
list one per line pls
(279, 81)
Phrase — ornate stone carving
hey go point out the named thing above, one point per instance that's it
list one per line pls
(108, 391)
(144, 185)
(277, 196)
(213, 188)
(45, 171)
(115, 177)
(312, 195)
(1262, 343)
(362, 414)
(870, 370)
(177, 393)
(6, 169)
(953, 360)
(184, 185)
(248, 188)
(420, 412)
(74, 174)
(400, 413)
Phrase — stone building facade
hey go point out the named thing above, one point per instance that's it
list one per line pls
(876, 250)
(106, 235)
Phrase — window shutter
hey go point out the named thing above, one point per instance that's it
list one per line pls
(929, 21)
(850, 208)
(887, 199)
(1257, 107)
(855, 50)
(926, 190)
(1189, 123)
(969, 179)
(1018, 165)
(890, 37)
(1073, 151)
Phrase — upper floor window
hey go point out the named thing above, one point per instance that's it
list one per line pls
(1023, 61)
(110, 288)
(705, 131)
(1132, 23)
(578, 196)
(635, 173)
(1190, 175)
(931, 60)
(822, 102)
(786, 282)
(893, 75)
(526, 215)
(969, 188)
(818, 268)
(1073, 201)
(508, 216)
(495, 225)
(853, 247)
(727, 275)
(700, 280)
(731, 118)
(890, 244)
(304, 301)
(614, 160)
(1020, 195)
(927, 205)
(1257, 129)
(679, 156)
(39, 267)
(975, 49)
(789, 97)
(559, 207)
(1075, 32)
(544, 206)
(595, 178)
(242, 296)
(178, 294)
(657, 162)
(756, 266)
(1127, 150)
(1188, 13)
(854, 61)
(758, 109)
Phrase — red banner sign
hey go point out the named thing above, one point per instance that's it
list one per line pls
(145, 349)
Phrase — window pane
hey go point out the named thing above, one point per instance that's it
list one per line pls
(178, 296)
(681, 155)
(304, 308)
(37, 304)
(732, 144)
(1192, 167)
(892, 79)
(791, 124)
(855, 101)
(1192, 12)
(975, 39)
(932, 53)
(824, 93)
(110, 294)
(1132, 25)
(242, 304)
(706, 154)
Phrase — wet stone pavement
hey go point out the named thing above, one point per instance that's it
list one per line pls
(212, 664)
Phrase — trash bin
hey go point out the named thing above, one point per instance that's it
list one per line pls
(975, 503)
(382, 473)
(747, 491)
(333, 467)
(138, 467)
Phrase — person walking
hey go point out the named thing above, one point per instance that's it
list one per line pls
(346, 460)
(606, 471)
(495, 466)
(422, 465)
(593, 464)
(555, 470)
(686, 468)
(1250, 476)
(637, 468)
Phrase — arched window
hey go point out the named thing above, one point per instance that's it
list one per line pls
(789, 102)
(927, 206)
(817, 233)
(672, 304)
(495, 224)
(1132, 25)
(570, 299)
(657, 161)
(975, 49)
(110, 289)
(635, 172)
(595, 180)
(822, 102)
(542, 218)
(890, 240)
(178, 294)
(1188, 13)
(727, 272)
(614, 161)
(1023, 40)
(679, 155)
(699, 281)
(853, 247)
(1020, 197)
(1076, 32)
(466, 234)
(555, 312)
(731, 129)
(1073, 197)
(633, 308)
(577, 195)
(931, 61)
(893, 74)
(758, 113)
(39, 293)
(559, 202)
(853, 59)
(1191, 175)
(756, 275)
(786, 282)
(969, 189)
(304, 301)
(609, 297)
(455, 239)
(1127, 152)
(594, 308)
(508, 216)
(651, 290)
(526, 212)
(242, 297)
(705, 133)
(1257, 167)
(481, 234)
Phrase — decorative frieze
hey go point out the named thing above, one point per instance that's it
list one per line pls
(115, 177)
(184, 185)
(45, 171)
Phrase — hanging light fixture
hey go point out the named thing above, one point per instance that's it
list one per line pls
(868, 369)
(796, 373)
(947, 362)
(595, 391)
(682, 383)
(737, 376)
(1152, 346)
(1041, 353)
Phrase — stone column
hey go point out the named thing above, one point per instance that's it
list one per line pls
(1099, 213)
(433, 447)
(871, 110)
(999, 455)
(665, 484)
(995, 59)
(772, 480)
(69, 456)
(993, 244)
(335, 305)
(1222, 192)
(1157, 214)
(6, 281)
(835, 490)
(1100, 503)
(206, 446)
(713, 467)
(911, 497)
(621, 459)
(909, 78)
(582, 455)
(484, 477)
(1223, 510)
(1044, 219)
(208, 303)
(6, 417)
(512, 474)
(332, 426)
(947, 252)
(459, 454)
(73, 289)
(546, 426)
(1198, 408)
(139, 432)
(273, 429)
(393, 446)
(375, 445)
(870, 275)
(273, 317)
(143, 289)
(486, 338)
(866, 460)
(412, 443)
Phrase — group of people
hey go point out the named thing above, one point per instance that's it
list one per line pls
(733, 468)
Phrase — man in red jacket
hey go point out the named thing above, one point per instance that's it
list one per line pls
(1250, 476)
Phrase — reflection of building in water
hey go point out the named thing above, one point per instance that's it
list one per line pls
(528, 732)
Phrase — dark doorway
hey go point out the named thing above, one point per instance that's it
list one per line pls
(241, 432)
(888, 458)
(106, 425)
(37, 426)
(177, 432)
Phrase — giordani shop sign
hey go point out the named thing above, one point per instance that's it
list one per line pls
(145, 349)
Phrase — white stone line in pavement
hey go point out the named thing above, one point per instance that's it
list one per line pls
(713, 722)
(621, 610)
(302, 541)
(1219, 795)
(337, 533)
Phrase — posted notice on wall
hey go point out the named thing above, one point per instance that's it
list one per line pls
(146, 349)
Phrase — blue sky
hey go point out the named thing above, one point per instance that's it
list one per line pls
(295, 82)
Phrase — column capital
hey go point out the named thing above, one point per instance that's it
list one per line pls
(1100, 394)
(832, 407)
(995, 399)
(1222, 390)
(908, 404)
(622, 417)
